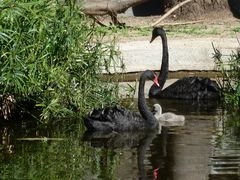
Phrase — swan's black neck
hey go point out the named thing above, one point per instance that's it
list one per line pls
(165, 64)
(151, 121)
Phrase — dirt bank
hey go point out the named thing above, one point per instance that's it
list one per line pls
(199, 9)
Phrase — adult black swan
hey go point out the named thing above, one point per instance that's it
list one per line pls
(185, 88)
(119, 119)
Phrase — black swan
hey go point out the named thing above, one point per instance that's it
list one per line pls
(119, 119)
(185, 88)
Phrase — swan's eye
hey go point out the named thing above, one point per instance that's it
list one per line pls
(156, 80)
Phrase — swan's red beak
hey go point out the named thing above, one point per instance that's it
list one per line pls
(156, 80)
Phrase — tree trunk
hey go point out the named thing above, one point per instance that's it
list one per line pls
(102, 7)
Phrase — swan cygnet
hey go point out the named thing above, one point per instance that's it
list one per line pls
(168, 118)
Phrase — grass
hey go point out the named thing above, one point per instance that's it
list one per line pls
(236, 29)
(196, 30)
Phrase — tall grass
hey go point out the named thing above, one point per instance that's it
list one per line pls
(52, 55)
(229, 66)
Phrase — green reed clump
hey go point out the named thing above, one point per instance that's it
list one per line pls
(52, 55)
(229, 66)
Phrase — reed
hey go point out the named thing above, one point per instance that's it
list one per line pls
(229, 66)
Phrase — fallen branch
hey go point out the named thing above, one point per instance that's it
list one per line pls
(170, 12)
(40, 139)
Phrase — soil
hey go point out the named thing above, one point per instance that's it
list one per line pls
(210, 25)
(200, 8)
(212, 18)
(218, 17)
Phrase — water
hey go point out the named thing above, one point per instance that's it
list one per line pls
(207, 146)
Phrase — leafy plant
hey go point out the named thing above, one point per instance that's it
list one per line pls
(52, 55)
(236, 29)
(229, 66)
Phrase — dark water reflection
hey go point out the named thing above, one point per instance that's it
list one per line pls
(206, 147)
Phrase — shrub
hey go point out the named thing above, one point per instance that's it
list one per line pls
(52, 55)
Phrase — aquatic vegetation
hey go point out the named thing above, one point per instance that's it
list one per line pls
(53, 56)
(58, 159)
(229, 66)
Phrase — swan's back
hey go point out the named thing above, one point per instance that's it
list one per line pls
(192, 88)
(168, 118)
(171, 117)
(114, 118)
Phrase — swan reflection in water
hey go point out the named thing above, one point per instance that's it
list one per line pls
(139, 141)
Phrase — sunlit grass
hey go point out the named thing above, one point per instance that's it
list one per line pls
(197, 30)
(236, 29)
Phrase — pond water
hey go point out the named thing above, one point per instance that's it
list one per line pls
(207, 146)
